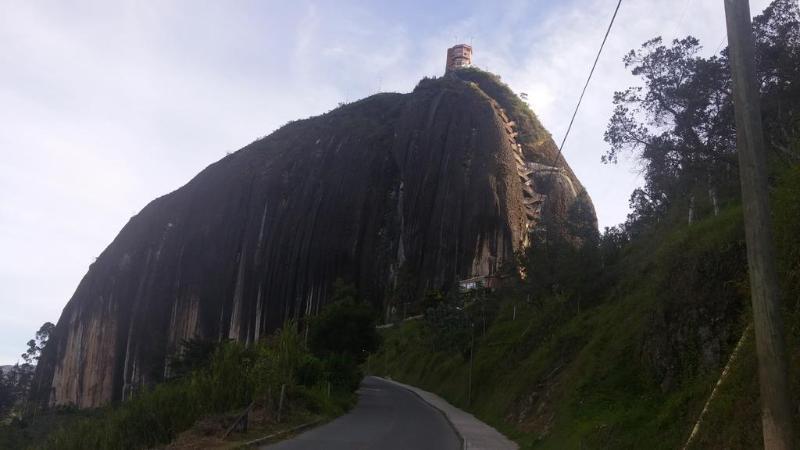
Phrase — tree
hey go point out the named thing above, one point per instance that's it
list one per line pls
(777, 41)
(7, 394)
(342, 336)
(37, 344)
(344, 292)
(449, 326)
(18, 380)
(194, 354)
(15, 383)
(344, 328)
(564, 259)
(679, 124)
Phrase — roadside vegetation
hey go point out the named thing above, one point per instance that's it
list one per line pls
(290, 378)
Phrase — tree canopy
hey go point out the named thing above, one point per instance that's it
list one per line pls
(346, 327)
(678, 122)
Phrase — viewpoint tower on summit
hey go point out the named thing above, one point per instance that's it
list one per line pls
(458, 56)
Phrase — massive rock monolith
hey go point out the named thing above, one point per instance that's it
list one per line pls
(437, 185)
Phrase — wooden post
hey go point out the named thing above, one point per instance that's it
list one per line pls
(240, 423)
(469, 374)
(280, 402)
(776, 415)
(483, 319)
(269, 399)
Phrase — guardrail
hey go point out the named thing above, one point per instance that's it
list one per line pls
(390, 325)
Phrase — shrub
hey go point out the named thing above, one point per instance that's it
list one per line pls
(449, 327)
(343, 372)
(226, 380)
(310, 371)
(194, 354)
(344, 328)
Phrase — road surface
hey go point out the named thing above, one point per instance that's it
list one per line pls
(387, 417)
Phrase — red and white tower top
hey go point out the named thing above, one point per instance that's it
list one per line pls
(458, 56)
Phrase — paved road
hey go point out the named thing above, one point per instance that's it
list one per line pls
(387, 417)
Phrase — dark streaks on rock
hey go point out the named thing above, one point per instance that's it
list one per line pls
(425, 183)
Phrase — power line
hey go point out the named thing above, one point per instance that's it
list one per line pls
(719, 47)
(583, 92)
(679, 23)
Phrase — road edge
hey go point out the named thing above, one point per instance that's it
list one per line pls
(460, 433)
(258, 441)
(422, 399)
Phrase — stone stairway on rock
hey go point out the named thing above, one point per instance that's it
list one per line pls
(533, 200)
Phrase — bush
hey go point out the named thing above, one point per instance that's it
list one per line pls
(787, 222)
(343, 372)
(310, 371)
(194, 354)
(344, 328)
(231, 378)
(449, 326)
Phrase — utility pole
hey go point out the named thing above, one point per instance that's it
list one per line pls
(776, 415)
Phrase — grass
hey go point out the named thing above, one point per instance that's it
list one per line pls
(262, 423)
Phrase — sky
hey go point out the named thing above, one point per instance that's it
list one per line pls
(105, 106)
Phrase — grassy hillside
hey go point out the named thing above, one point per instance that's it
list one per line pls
(631, 367)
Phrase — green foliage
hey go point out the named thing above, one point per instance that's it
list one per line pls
(36, 345)
(531, 130)
(278, 360)
(344, 292)
(7, 395)
(568, 265)
(342, 372)
(342, 336)
(679, 121)
(344, 328)
(217, 377)
(733, 419)
(432, 299)
(14, 387)
(193, 355)
(404, 293)
(310, 371)
(229, 379)
(787, 218)
(15, 382)
(449, 326)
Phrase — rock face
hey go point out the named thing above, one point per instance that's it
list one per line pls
(444, 183)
